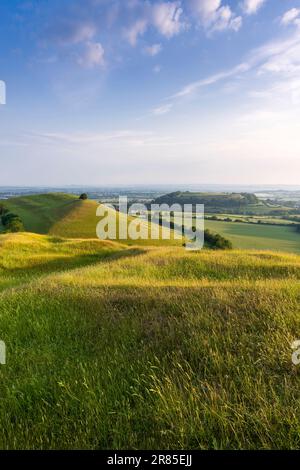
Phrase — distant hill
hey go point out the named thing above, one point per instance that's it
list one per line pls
(218, 202)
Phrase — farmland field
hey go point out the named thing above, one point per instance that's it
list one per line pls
(256, 236)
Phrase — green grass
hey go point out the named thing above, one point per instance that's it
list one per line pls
(259, 237)
(64, 215)
(110, 346)
(40, 212)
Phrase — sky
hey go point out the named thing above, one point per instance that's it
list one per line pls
(102, 92)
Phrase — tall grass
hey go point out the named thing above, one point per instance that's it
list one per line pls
(134, 347)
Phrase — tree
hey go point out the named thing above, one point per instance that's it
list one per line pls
(15, 225)
(83, 196)
(12, 222)
(216, 241)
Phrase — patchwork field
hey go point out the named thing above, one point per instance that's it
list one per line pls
(110, 346)
(259, 237)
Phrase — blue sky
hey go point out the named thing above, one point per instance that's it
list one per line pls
(144, 91)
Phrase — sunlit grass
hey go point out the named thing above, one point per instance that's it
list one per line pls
(110, 346)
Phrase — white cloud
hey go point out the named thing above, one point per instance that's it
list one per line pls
(153, 50)
(290, 16)
(166, 17)
(137, 29)
(214, 16)
(206, 9)
(225, 19)
(161, 110)
(236, 23)
(93, 55)
(192, 87)
(251, 7)
(282, 56)
(281, 65)
(287, 61)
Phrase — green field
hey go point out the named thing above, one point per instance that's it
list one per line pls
(110, 346)
(259, 237)
(266, 219)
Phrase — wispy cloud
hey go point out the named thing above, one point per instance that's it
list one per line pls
(280, 58)
(164, 109)
(212, 79)
(92, 56)
(291, 16)
(251, 7)
(88, 24)
(96, 139)
(165, 17)
(153, 50)
(134, 31)
(214, 16)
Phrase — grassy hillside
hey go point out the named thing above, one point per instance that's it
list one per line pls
(40, 212)
(259, 237)
(66, 216)
(135, 347)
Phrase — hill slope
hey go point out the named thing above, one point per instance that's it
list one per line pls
(40, 212)
(117, 347)
(64, 215)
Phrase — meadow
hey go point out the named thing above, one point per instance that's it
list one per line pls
(111, 346)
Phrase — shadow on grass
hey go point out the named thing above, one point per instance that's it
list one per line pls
(50, 216)
(18, 275)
